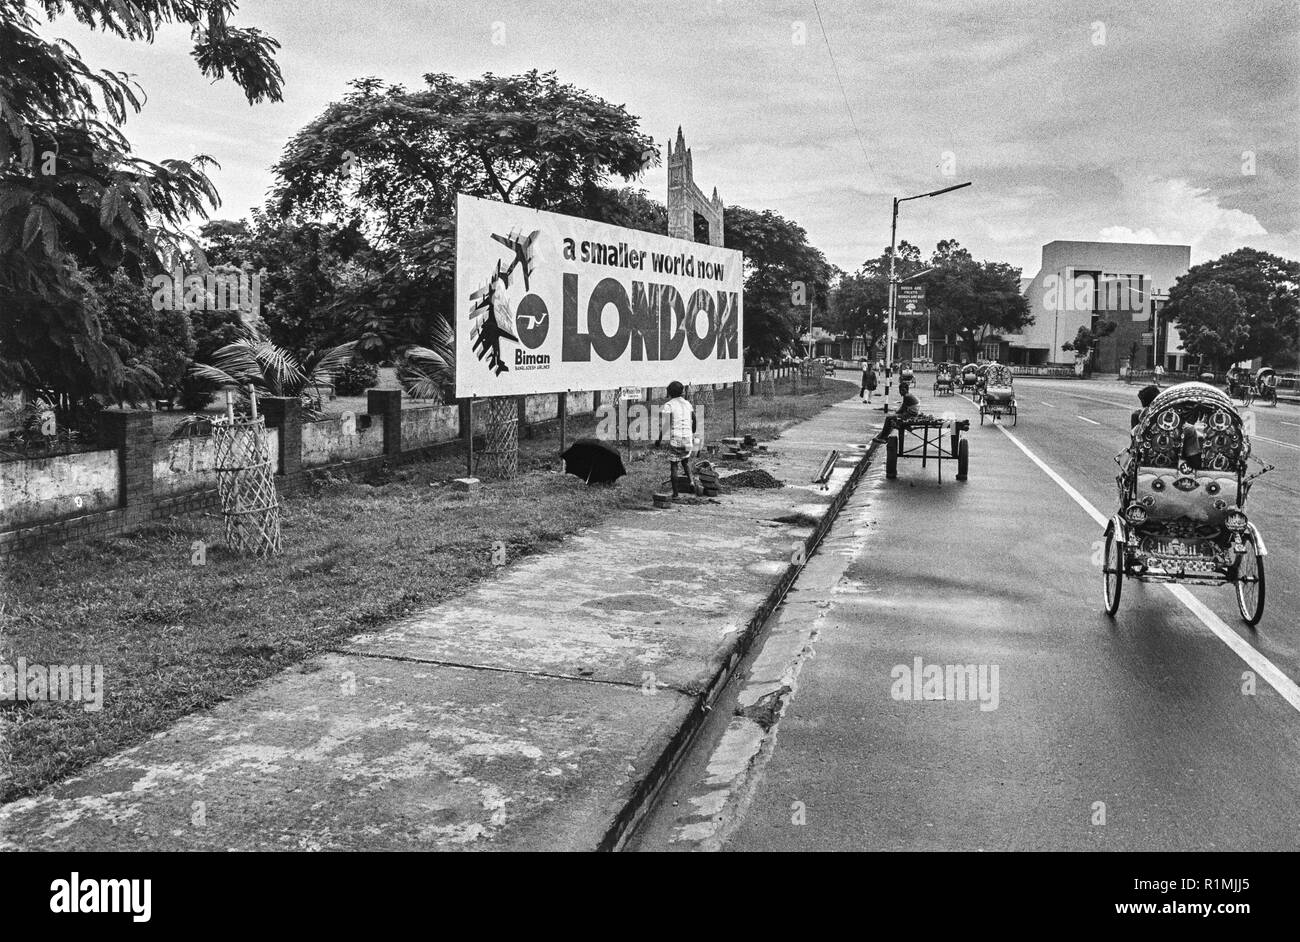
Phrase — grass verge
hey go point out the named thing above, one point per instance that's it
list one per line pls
(361, 550)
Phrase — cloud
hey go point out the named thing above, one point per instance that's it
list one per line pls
(1175, 211)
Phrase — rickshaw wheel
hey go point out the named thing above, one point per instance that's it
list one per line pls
(963, 459)
(1112, 573)
(1015, 416)
(1250, 591)
(891, 457)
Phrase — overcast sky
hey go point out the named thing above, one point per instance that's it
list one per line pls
(1119, 121)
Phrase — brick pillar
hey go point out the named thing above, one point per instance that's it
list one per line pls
(130, 431)
(284, 413)
(387, 404)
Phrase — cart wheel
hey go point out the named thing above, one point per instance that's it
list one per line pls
(1112, 573)
(891, 457)
(1248, 580)
(1015, 417)
(963, 459)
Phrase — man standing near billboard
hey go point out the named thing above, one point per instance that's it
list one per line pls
(677, 421)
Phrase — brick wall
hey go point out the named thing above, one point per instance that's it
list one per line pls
(143, 496)
(139, 499)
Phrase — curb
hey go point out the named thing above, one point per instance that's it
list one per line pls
(645, 790)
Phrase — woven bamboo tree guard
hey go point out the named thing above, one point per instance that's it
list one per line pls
(246, 485)
(769, 384)
(704, 396)
(502, 449)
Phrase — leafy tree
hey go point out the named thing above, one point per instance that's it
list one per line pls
(1212, 321)
(390, 161)
(860, 304)
(303, 267)
(400, 156)
(1087, 339)
(858, 307)
(154, 345)
(777, 254)
(976, 300)
(629, 208)
(74, 201)
(1257, 316)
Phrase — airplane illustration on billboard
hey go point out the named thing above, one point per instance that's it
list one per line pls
(492, 311)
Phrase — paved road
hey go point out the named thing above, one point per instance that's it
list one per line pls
(1142, 722)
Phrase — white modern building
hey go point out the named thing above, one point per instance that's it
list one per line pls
(1081, 283)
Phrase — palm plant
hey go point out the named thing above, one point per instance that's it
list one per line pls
(425, 372)
(255, 361)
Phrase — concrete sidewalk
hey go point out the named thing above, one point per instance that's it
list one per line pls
(537, 712)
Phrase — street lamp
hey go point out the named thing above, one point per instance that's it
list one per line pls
(893, 287)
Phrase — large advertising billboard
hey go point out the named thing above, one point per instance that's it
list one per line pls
(551, 303)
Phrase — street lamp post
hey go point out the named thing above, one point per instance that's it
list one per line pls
(893, 286)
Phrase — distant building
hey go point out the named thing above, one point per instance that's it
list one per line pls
(837, 346)
(1082, 283)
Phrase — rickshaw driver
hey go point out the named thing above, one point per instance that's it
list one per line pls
(1146, 395)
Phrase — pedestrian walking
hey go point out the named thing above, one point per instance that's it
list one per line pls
(869, 380)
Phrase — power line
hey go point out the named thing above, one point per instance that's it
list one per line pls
(844, 94)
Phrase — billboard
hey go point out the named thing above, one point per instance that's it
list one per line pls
(552, 303)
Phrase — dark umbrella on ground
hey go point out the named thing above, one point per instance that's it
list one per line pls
(593, 460)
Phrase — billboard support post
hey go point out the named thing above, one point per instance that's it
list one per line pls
(469, 437)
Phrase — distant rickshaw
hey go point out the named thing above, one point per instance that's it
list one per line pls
(1266, 385)
(943, 381)
(968, 377)
(1239, 385)
(998, 398)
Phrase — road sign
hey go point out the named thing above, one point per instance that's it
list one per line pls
(923, 340)
(911, 299)
(1148, 338)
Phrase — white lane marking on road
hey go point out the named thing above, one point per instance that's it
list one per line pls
(1048, 404)
(1274, 441)
(1262, 666)
(1295, 424)
(1060, 481)
(1087, 419)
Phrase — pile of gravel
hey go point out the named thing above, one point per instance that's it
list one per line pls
(755, 477)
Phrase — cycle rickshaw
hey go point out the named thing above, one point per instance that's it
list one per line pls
(1239, 385)
(943, 382)
(1182, 497)
(998, 398)
(906, 378)
(967, 378)
(1266, 385)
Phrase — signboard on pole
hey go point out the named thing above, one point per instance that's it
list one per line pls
(1148, 338)
(911, 299)
(550, 303)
